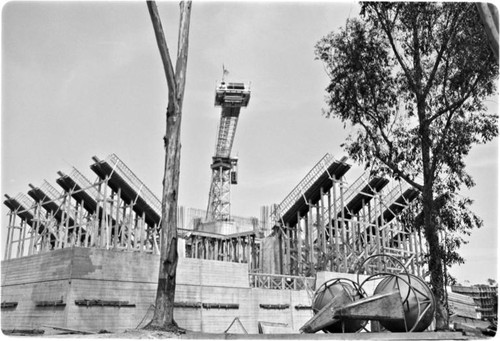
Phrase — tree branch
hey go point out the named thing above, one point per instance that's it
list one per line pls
(437, 152)
(388, 163)
(182, 47)
(394, 49)
(439, 57)
(162, 46)
(455, 105)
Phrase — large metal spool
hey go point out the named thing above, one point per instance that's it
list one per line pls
(419, 303)
(348, 291)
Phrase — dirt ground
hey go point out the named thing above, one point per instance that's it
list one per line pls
(128, 334)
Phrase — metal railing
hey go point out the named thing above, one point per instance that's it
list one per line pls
(84, 183)
(121, 168)
(281, 282)
(50, 191)
(303, 185)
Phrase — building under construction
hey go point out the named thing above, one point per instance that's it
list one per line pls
(84, 255)
(485, 297)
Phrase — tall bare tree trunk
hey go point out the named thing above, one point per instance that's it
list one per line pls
(164, 306)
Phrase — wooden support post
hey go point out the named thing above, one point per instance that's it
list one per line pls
(238, 249)
(142, 223)
(288, 247)
(58, 227)
(195, 247)
(137, 231)
(299, 245)
(88, 232)
(32, 240)
(100, 235)
(280, 251)
(61, 227)
(123, 225)
(254, 253)
(335, 225)
(319, 234)
(78, 222)
(249, 251)
(234, 245)
(382, 225)
(226, 250)
(118, 225)
(130, 225)
(89, 237)
(23, 237)
(365, 224)
(311, 239)
(67, 199)
(243, 250)
(206, 243)
(377, 231)
(104, 221)
(110, 227)
(355, 234)
(9, 235)
(19, 240)
(322, 222)
(330, 230)
(36, 229)
(306, 239)
(343, 233)
(211, 248)
(201, 243)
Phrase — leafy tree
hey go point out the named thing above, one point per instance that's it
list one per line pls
(163, 317)
(410, 79)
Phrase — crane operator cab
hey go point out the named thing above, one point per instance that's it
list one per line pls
(232, 94)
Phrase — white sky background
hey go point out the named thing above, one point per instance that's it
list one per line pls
(81, 79)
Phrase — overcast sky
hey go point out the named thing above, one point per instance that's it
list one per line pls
(83, 78)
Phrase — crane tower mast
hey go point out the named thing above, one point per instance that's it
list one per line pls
(231, 97)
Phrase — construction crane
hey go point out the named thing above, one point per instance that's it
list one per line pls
(231, 97)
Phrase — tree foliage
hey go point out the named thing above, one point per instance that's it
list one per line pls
(410, 79)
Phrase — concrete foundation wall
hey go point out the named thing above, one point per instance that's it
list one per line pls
(67, 275)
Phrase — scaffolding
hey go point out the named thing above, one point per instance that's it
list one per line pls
(116, 212)
(325, 223)
(328, 224)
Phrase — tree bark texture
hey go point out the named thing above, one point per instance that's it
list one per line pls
(164, 305)
(489, 17)
(431, 235)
